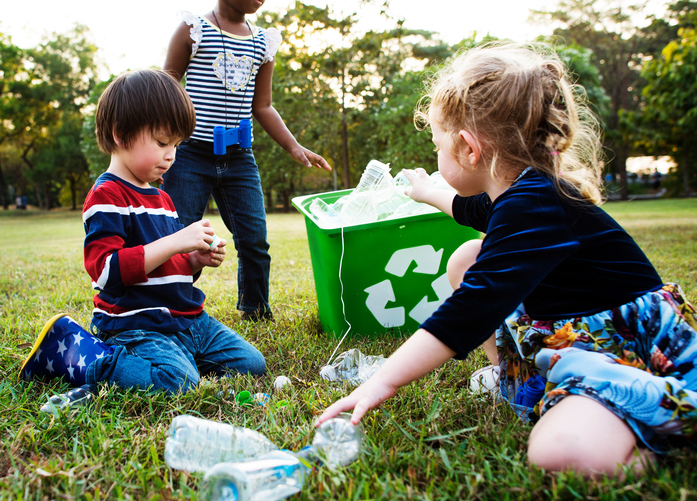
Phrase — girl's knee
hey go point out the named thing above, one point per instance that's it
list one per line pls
(580, 434)
(461, 260)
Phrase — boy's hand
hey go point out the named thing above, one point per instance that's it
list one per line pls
(421, 184)
(308, 158)
(212, 257)
(197, 236)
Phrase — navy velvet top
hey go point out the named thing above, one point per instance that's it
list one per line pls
(560, 258)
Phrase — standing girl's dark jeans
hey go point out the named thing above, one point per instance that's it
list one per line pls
(233, 180)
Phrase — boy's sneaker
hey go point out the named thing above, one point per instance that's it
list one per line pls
(485, 380)
(84, 395)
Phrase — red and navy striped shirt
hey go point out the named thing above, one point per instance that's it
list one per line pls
(119, 220)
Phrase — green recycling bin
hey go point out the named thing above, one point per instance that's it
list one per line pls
(381, 277)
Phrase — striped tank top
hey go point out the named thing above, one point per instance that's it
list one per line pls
(221, 76)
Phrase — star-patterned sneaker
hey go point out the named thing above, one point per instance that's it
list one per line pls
(63, 349)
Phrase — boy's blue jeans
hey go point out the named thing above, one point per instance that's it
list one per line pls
(233, 180)
(173, 361)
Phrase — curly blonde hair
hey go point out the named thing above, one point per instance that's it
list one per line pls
(517, 101)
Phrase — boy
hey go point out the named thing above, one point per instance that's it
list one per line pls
(148, 316)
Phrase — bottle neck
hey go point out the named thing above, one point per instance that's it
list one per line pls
(308, 456)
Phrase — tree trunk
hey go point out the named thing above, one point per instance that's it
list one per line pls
(73, 191)
(39, 198)
(47, 196)
(270, 204)
(345, 154)
(621, 167)
(3, 189)
(685, 173)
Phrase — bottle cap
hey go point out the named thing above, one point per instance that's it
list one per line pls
(244, 398)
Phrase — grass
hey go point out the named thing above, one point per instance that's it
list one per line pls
(432, 441)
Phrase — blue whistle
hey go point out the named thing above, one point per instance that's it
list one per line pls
(241, 135)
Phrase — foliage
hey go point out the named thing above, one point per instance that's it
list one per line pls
(619, 49)
(331, 94)
(433, 440)
(97, 160)
(44, 104)
(349, 95)
(671, 103)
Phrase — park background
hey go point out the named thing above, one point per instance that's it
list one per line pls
(346, 84)
(348, 93)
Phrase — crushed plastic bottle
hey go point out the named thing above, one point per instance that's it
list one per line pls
(353, 367)
(196, 444)
(280, 474)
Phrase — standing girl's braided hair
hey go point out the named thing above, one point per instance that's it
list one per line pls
(516, 101)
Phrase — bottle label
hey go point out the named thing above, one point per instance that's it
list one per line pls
(261, 464)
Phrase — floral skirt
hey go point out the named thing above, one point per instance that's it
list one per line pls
(637, 360)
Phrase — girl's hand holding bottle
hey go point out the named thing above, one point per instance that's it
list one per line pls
(421, 185)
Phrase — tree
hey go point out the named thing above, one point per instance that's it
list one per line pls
(97, 160)
(14, 112)
(328, 92)
(619, 50)
(671, 102)
(43, 92)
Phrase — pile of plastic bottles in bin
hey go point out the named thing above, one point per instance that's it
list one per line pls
(377, 197)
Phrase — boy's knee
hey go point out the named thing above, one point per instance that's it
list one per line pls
(173, 381)
(256, 364)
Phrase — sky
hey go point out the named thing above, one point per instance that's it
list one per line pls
(133, 34)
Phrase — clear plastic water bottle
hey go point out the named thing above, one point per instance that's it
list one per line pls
(353, 367)
(324, 213)
(273, 476)
(280, 474)
(196, 444)
(376, 185)
(338, 442)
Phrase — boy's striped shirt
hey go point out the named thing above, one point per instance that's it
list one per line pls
(119, 219)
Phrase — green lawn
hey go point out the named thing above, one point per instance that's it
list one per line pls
(432, 441)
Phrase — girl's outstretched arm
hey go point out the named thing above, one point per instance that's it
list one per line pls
(273, 124)
(418, 356)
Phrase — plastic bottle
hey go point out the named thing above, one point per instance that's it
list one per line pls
(376, 185)
(275, 475)
(352, 366)
(195, 444)
(280, 474)
(338, 441)
(401, 183)
(325, 214)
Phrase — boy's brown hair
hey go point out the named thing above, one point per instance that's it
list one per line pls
(142, 100)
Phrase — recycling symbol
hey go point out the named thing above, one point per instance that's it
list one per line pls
(379, 295)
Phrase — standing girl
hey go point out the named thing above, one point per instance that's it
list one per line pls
(228, 65)
(576, 307)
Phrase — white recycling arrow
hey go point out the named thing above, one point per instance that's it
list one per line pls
(378, 296)
(426, 257)
(425, 308)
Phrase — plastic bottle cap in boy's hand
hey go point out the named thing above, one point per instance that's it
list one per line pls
(216, 241)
